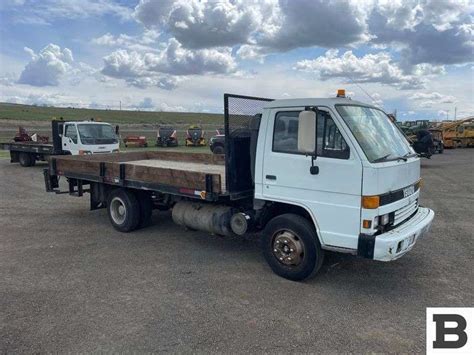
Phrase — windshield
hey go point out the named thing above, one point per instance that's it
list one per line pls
(97, 134)
(378, 137)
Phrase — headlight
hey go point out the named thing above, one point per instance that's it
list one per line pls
(376, 222)
(85, 152)
(384, 219)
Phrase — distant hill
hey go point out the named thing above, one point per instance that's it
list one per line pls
(39, 113)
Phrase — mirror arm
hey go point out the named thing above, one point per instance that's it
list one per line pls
(314, 170)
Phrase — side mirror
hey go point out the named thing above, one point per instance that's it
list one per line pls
(307, 132)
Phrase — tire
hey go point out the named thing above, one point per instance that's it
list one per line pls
(218, 149)
(146, 208)
(123, 209)
(26, 159)
(286, 231)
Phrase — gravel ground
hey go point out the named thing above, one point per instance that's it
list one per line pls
(70, 283)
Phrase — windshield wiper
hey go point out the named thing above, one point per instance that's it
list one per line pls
(410, 155)
(378, 160)
(384, 158)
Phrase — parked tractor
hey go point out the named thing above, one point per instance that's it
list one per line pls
(166, 137)
(217, 144)
(195, 136)
(135, 141)
(23, 136)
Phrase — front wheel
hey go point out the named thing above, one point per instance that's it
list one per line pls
(291, 247)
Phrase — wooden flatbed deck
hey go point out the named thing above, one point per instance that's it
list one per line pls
(148, 170)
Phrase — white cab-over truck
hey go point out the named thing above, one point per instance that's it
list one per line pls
(307, 175)
(69, 138)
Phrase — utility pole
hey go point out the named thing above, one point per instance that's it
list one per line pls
(455, 112)
(120, 105)
(447, 115)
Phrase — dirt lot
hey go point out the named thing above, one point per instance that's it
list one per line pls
(70, 283)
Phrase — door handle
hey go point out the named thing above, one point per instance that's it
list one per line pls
(270, 177)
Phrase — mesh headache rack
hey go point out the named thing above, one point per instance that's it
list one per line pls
(239, 112)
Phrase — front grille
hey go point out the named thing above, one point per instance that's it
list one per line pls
(405, 212)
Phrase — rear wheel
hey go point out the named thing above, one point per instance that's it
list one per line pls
(218, 149)
(291, 247)
(123, 209)
(26, 159)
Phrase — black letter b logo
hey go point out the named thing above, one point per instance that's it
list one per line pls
(442, 331)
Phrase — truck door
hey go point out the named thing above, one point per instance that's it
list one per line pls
(70, 142)
(332, 196)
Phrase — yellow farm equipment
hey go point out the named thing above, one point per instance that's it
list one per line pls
(458, 134)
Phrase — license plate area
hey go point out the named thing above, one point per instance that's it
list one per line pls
(405, 243)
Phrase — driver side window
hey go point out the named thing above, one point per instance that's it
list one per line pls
(71, 132)
(330, 142)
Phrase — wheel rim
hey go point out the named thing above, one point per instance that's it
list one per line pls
(288, 248)
(118, 211)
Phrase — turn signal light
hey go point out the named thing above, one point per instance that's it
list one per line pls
(366, 223)
(370, 202)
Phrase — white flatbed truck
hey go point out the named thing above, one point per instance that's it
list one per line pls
(69, 138)
(309, 175)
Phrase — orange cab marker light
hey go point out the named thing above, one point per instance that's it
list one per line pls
(370, 202)
(367, 223)
(341, 93)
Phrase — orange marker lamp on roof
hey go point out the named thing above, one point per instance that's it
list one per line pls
(341, 93)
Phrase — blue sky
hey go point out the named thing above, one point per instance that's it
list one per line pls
(175, 55)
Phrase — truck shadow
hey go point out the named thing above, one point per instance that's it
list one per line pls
(341, 271)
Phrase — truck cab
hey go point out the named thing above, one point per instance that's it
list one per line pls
(349, 168)
(87, 137)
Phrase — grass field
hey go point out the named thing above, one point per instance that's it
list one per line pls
(38, 113)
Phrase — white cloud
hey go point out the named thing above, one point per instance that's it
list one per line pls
(142, 42)
(200, 24)
(146, 104)
(47, 66)
(249, 52)
(377, 99)
(171, 108)
(443, 114)
(159, 69)
(431, 31)
(175, 59)
(371, 68)
(46, 12)
(433, 98)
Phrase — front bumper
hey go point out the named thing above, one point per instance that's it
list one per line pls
(398, 241)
